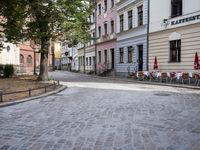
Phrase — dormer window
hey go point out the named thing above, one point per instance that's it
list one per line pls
(176, 8)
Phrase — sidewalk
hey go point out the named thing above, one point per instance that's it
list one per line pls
(144, 82)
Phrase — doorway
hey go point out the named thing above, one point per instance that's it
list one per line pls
(140, 57)
(112, 54)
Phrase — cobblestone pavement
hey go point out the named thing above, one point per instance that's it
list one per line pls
(103, 114)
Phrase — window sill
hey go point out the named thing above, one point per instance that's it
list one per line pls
(121, 62)
(174, 61)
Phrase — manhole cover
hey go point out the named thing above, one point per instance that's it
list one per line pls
(162, 94)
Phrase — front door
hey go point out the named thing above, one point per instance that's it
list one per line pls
(112, 58)
(140, 57)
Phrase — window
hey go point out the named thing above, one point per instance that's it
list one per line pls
(121, 53)
(90, 61)
(86, 61)
(99, 7)
(93, 17)
(130, 54)
(112, 3)
(130, 19)
(121, 18)
(140, 15)
(112, 26)
(83, 60)
(105, 29)
(29, 59)
(21, 59)
(99, 57)
(99, 31)
(175, 51)
(176, 8)
(105, 5)
(105, 56)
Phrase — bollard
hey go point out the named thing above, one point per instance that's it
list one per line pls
(1, 96)
(29, 92)
(58, 82)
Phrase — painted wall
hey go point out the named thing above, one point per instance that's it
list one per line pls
(106, 41)
(131, 37)
(9, 54)
(190, 8)
(187, 26)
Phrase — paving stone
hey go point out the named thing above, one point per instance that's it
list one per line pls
(104, 114)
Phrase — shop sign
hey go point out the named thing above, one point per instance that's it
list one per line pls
(184, 20)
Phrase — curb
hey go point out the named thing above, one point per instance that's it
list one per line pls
(33, 98)
(144, 82)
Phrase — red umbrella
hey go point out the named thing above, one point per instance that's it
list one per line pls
(196, 62)
(155, 66)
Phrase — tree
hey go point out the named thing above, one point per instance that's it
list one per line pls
(41, 21)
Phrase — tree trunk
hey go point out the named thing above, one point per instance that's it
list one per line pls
(43, 75)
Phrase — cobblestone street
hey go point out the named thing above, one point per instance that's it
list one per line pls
(104, 114)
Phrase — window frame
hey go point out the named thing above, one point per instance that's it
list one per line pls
(99, 57)
(112, 26)
(121, 55)
(105, 56)
(177, 50)
(140, 15)
(29, 59)
(105, 28)
(121, 22)
(99, 9)
(105, 6)
(130, 51)
(130, 19)
(179, 8)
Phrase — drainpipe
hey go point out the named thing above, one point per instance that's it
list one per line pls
(95, 41)
(148, 20)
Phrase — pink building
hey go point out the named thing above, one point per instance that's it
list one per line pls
(106, 29)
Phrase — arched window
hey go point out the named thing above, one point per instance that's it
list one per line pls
(29, 59)
(21, 59)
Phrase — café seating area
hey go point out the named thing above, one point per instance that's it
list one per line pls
(167, 77)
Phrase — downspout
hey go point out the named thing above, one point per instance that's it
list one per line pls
(148, 20)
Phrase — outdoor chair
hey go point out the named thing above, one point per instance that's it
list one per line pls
(163, 77)
(141, 76)
(172, 77)
(185, 77)
(197, 79)
(133, 75)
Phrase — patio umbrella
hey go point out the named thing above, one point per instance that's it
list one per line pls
(196, 62)
(155, 66)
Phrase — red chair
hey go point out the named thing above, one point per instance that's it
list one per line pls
(197, 79)
(172, 77)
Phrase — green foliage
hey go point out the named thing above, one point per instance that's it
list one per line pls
(8, 71)
(44, 20)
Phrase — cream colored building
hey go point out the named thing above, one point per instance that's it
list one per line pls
(174, 34)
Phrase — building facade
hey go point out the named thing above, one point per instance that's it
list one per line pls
(174, 34)
(9, 54)
(90, 48)
(81, 57)
(69, 57)
(105, 29)
(131, 52)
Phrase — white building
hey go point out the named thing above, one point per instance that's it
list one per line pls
(131, 53)
(9, 54)
(69, 57)
(174, 34)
